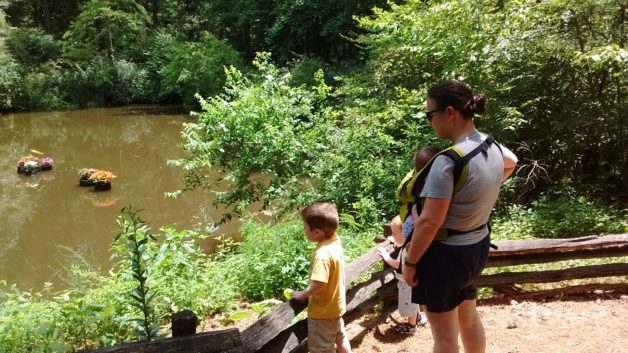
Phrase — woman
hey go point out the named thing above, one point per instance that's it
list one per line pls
(444, 272)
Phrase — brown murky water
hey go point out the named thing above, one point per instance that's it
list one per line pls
(46, 217)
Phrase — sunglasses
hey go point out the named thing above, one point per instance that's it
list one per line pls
(429, 115)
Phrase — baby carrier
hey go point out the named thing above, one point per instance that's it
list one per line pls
(408, 194)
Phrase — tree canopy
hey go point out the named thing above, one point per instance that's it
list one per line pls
(554, 72)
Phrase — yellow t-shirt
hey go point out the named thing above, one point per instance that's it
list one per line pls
(328, 267)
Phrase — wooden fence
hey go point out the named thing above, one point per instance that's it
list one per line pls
(276, 331)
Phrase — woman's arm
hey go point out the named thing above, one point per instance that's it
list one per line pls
(425, 229)
(510, 162)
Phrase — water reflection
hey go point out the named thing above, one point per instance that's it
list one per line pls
(42, 214)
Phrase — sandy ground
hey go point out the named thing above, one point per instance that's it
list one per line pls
(594, 324)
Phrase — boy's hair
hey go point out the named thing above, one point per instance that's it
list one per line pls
(423, 156)
(323, 216)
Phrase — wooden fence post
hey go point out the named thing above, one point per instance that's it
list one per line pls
(184, 323)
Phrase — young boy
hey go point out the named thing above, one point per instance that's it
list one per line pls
(401, 230)
(326, 289)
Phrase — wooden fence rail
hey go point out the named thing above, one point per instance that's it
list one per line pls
(276, 331)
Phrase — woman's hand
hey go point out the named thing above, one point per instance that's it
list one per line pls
(409, 275)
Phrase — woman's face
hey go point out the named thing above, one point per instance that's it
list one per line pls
(439, 119)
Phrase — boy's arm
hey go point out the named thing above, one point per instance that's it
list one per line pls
(386, 257)
(313, 288)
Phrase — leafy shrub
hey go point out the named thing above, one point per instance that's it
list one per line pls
(31, 46)
(131, 83)
(284, 146)
(105, 82)
(560, 217)
(265, 134)
(197, 68)
(187, 277)
(9, 75)
(42, 89)
(272, 258)
(158, 55)
(269, 259)
(9, 79)
(55, 322)
(303, 72)
(96, 309)
(112, 28)
(86, 87)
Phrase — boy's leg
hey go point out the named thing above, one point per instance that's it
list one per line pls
(344, 346)
(471, 328)
(321, 336)
(445, 331)
(342, 339)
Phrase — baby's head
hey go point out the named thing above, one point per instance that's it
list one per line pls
(421, 158)
(424, 155)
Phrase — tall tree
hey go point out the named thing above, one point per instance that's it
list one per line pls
(106, 26)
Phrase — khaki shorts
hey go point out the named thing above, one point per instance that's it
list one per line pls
(322, 335)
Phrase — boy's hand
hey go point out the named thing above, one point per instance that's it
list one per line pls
(383, 253)
(298, 295)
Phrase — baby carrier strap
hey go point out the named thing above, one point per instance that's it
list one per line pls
(445, 233)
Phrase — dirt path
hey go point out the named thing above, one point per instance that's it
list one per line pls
(596, 324)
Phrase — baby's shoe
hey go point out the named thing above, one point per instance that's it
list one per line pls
(421, 318)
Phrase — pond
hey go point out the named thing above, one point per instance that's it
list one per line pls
(47, 218)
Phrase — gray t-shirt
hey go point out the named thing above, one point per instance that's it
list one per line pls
(471, 206)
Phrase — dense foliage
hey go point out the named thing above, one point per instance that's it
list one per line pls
(365, 127)
(284, 133)
(196, 67)
(9, 75)
(101, 310)
(205, 36)
(555, 73)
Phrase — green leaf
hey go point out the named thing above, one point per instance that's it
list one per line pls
(241, 315)
(258, 308)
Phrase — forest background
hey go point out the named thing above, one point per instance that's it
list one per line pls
(311, 100)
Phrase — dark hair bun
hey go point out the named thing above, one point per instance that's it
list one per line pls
(476, 105)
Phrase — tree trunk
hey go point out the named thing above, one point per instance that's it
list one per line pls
(156, 7)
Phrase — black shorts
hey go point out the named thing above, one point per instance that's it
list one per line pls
(448, 274)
